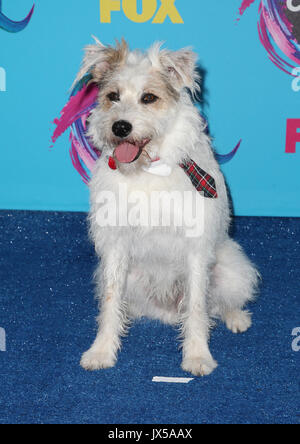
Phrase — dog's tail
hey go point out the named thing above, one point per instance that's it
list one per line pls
(234, 281)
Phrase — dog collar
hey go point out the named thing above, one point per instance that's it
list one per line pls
(201, 180)
(158, 168)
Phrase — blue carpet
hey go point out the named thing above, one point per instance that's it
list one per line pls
(48, 312)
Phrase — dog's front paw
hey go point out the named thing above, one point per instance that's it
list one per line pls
(199, 366)
(93, 360)
(238, 321)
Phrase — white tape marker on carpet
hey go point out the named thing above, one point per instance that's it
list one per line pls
(172, 380)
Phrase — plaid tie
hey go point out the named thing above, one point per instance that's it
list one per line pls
(201, 180)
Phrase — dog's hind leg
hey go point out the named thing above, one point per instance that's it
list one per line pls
(111, 281)
(234, 283)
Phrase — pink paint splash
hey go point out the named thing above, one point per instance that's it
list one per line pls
(76, 106)
(245, 5)
(74, 116)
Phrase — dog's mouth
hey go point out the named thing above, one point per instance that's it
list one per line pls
(129, 151)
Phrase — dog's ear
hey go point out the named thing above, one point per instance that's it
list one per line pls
(180, 66)
(99, 59)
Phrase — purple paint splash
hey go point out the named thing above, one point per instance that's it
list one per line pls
(224, 158)
(278, 31)
(75, 115)
(10, 25)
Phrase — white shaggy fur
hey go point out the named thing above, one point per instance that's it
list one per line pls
(161, 273)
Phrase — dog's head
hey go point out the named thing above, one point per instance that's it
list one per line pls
(140, 97)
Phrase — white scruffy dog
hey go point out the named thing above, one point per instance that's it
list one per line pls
(147, 127)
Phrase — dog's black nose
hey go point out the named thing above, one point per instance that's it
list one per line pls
(122, 128)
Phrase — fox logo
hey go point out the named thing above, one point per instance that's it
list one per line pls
(149, 10)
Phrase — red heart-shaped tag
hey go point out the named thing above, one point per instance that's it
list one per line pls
(112, 163)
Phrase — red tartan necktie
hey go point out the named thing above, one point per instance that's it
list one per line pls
(201, 180)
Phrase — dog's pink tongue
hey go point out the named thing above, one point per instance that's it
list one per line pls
(126, 152)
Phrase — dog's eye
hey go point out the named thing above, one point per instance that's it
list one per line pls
(114, 96)
(149, 98)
